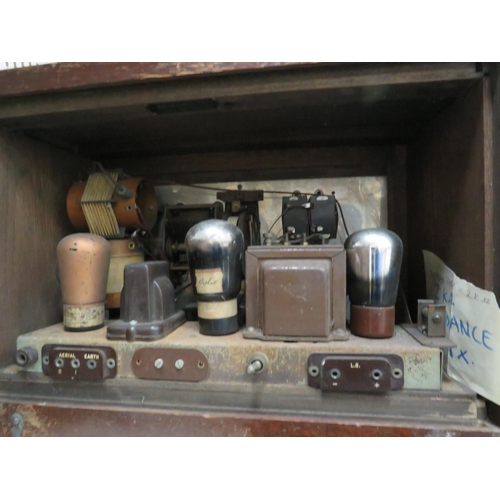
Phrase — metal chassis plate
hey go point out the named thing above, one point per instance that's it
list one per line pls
(441, 342)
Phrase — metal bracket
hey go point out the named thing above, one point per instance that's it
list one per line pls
(440, 342)
(431, 318)
(17, 424)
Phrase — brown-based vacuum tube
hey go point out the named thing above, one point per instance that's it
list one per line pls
(83, 263)
(373, 266)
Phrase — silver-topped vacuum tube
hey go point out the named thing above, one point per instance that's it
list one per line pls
(373, 266)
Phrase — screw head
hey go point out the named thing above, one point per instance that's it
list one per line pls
(179, 364)
(16, 419)
(158, 363)
(436, 318)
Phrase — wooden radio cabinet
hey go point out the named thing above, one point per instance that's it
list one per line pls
(431, 129)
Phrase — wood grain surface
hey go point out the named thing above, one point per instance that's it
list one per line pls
(50, 420)
(65, 76)
(34, 181)
(447, 194)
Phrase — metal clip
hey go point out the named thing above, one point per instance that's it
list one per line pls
(431, 318)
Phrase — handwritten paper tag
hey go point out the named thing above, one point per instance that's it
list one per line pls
(473, 323)
(208, 281)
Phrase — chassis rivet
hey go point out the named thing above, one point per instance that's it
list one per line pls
(179, 364)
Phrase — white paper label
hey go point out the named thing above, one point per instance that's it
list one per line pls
(116, 270)
(83, 316)
(473, 323)
(208, 281)
(217, 310)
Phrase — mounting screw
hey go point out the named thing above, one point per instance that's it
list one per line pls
(158, 363)
(16, 421)
(179, 364)
(436, 318)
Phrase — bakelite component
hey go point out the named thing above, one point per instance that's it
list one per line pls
(296, 293)
(355, 372)
(148, 310)
(79, 362)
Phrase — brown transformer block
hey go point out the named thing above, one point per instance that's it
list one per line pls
(296, 293)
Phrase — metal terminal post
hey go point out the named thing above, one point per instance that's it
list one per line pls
(17, 424)
(255, 367)
(26, 357)
(257, 363)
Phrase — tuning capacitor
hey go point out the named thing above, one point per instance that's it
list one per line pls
(215, 250)
(83, 263)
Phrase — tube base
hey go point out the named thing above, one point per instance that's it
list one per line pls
(224, 326)
(372, 322)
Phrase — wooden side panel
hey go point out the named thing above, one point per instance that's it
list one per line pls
(62, 421)
(34, 180)
(448, 189)
(495, 206)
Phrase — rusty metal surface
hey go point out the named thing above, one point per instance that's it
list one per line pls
(187, 365)
(228, 355)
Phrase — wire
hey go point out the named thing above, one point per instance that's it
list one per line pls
(281, 215)
(342, 216)
(197, 186)
(121, 190)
